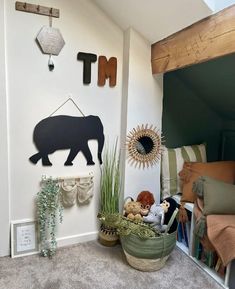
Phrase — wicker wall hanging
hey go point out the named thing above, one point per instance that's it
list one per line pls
(144, 146)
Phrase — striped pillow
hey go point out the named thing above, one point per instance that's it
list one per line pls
(172, 163)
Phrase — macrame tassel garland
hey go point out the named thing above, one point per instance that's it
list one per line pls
(185, 174)
(183, 216)
(200, 228)
(198, 187)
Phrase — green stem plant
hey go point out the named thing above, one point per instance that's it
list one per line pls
(49, 207)
(110, 181)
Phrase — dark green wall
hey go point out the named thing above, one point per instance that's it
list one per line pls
(228, 125)
(187, 119)
(228, 140)
(214, 82)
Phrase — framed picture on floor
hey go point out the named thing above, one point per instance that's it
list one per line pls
(24, 238)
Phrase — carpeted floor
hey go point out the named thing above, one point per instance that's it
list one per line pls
(92, 266)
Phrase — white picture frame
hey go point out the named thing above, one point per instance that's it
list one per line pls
(24, 238)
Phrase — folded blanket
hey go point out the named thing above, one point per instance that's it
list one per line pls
(221, 233)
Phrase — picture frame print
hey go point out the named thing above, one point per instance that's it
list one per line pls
(24, 238)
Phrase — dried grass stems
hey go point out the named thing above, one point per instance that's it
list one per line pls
(110, 180)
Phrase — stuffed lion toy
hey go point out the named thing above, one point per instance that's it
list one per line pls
(133, 210)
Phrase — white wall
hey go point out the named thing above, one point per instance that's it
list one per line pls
(35, 92)
(4, 195)
(144, 106)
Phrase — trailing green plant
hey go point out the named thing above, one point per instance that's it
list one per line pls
(49, 208)
(110, 184)
(125, 226)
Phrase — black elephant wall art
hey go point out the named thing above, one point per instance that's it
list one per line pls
(67, 132)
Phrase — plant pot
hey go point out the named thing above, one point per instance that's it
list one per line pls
(108, 236)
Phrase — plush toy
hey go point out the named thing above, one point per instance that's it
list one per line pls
(168, 214)
(156, 216)
(147, 200)
(160, 215)
(132, 210)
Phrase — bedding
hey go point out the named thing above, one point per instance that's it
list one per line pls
(219, 233)
(215, 216)
(223, 171)
(172, 163)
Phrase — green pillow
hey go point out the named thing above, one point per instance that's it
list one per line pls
(219, 197)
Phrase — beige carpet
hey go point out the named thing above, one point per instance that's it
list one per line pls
(92, 266)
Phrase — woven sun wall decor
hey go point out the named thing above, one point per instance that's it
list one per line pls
(144, 146)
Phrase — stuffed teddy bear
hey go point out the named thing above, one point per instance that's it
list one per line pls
(159, 215)
(147, 200)
(132, 210)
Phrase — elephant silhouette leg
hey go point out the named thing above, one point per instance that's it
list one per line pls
(71, 156)
(46, 161)
(87, 153)
(35, 158)
(100, 148)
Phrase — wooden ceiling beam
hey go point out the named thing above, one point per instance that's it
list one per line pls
(207, 39)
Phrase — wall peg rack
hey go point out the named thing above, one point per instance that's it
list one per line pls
(37, 9)
(80, 176)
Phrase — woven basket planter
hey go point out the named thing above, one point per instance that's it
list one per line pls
(108, 236)
(148, 254)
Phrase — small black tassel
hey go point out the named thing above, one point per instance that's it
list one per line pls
(51, 65)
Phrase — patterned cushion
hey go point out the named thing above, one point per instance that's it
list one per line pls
(172, 163)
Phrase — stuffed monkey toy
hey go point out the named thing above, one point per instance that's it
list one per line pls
(160, 215)
(147, 200)
(171, 209)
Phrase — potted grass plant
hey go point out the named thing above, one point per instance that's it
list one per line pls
(110, 185)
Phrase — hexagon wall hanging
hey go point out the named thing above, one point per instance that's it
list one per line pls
(51, 42)
(49, 39)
